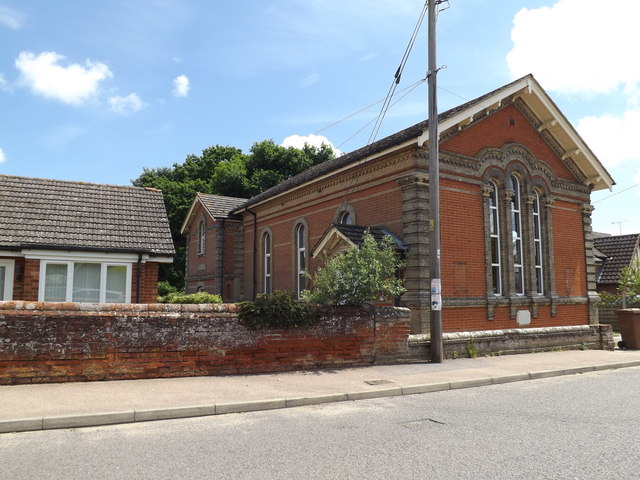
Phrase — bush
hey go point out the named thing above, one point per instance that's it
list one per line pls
(165, 288)
(181, 297)
(358, 275)
(277, 310)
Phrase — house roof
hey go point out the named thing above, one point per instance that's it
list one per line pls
(526, 88)
(620, 250)
(352, 235)
(217, 206)
(36, 213)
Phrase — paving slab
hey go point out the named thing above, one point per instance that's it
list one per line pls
(67, 405)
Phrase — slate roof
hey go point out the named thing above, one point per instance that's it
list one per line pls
(57, 214)
(219, 206)
(392, 140)
(619, 250)
(355, 234)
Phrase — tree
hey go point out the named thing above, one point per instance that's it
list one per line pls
(629, 283)
(358, 275)
(223, 171)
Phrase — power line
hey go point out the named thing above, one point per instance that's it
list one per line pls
(617, 193)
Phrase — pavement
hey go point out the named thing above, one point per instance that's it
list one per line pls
(74, 405)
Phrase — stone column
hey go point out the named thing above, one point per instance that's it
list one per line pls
(594, 298)
(415, 230)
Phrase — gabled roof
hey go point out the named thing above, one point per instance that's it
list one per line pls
(352, 236)
(548, 116)
(620, 250)
(217, 206)
(36, 213)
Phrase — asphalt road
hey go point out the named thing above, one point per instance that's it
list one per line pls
(581, 426)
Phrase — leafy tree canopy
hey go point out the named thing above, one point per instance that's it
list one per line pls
(223, 171)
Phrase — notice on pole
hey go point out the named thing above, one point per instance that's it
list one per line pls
(436, 294)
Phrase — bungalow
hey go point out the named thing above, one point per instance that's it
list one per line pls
(64, 241)
(516, 241)
(614, 252)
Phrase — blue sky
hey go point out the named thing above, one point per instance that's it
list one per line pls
(96, 91)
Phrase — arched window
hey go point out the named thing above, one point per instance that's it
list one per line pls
(516, 235)
(346, 218)
(266, 263)
(202, 236)
(537, 245)
(494, 233)
(300, 260)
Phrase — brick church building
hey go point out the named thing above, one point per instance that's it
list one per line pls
(515, 185)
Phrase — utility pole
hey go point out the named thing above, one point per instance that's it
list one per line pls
(435, 318)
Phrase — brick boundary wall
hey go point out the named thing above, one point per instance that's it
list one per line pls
(516, 340)
(69, 342)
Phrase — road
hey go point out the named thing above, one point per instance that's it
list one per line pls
(582, 426)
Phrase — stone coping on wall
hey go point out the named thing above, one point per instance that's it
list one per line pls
(486, 334)
(123, 307)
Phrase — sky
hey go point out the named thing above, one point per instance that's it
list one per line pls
(97, 91)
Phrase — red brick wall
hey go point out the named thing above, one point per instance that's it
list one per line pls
(505, 126)
(59, 342)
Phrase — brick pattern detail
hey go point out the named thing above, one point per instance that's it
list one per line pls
(63, 342)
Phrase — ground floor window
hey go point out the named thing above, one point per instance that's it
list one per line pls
(6, 279)
(88, 282)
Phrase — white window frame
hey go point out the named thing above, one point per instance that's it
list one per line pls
(516, 233)
(70, 270)
(538, 252)
(300, 250)
(267, 265)
(9, 266)
(494, 212)
(202, 236)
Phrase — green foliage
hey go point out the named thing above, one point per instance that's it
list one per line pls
(472, 351)
(165, 288)
(277, 310)
(358, 275)
(630, 278)
(223, 171)
(194, 298)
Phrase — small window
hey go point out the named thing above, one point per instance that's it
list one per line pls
(202, 236)
(345, 218)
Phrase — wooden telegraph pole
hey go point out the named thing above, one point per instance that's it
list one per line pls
(435, 320)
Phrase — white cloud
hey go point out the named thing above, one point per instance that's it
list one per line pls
(11, 18)
(2, 156)
(612, 138)
(125, 105)
(298, 141)
(578, 46)
(310, 80)
(181, 86)
(73, 84)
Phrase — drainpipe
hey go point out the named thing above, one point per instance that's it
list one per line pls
(138, 276)
(255, 250)
(222, 226)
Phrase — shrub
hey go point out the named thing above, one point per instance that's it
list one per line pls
(165, 288)
(181, 297)
(277, 310)
(358, 275)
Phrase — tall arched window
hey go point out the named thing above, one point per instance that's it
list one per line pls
(537, 245)
(266, 263)
(300, 260)
(516, 234)
(494, 233)
(202, 235)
